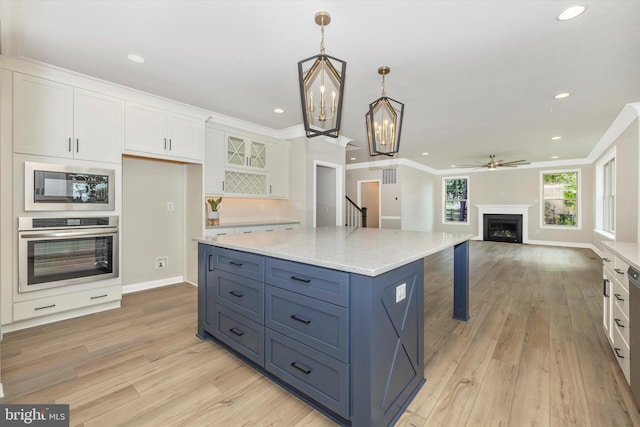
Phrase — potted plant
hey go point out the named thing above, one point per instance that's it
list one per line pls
(213, 215)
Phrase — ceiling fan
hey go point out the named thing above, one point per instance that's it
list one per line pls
(494, 164)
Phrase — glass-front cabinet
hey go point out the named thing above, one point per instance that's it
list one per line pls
(245, 153)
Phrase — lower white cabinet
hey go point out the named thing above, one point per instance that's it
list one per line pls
(65, 302)
(221, 231)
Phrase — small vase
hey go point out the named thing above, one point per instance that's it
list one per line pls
(213, 217)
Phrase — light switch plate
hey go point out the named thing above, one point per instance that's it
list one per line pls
(401, 292)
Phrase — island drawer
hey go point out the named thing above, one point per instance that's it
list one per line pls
(318, 324)
(621, 297)
(621, 322)
(243, 335)
(322, 378)
(240, 263)
(317, 282)
(240, 294)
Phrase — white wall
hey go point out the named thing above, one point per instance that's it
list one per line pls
(148, 229)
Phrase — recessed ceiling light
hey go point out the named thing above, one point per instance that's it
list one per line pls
(562, 95)
(453, 166)
(352, 158)
(278, 110)
(571, 12)
(554, 157)
(425, 154)
(135, 58)
(555, 138)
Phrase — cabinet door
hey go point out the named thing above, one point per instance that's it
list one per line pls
(236, 151)
(97, 122)
(186, 136)
(145, 129)
(42, 117)
(214, 161)
(257, 155)
(278, 162)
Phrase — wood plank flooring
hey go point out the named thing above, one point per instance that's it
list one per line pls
(532, 354)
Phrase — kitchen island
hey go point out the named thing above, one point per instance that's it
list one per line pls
(333, 314)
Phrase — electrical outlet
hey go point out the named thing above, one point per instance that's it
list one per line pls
(401, 292)
(162, 262)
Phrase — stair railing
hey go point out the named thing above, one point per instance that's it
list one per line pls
(355, 216)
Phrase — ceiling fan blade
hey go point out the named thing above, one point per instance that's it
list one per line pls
(472, 166)
(516, 162)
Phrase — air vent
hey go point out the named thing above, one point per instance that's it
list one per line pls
(388, 176)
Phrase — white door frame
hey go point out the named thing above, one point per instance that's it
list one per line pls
(339, 189)
(359, 197)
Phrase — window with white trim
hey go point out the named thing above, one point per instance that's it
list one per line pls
(605, 199)
(560, 199)
(455, 200)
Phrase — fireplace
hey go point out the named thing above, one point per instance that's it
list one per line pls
(502, 228)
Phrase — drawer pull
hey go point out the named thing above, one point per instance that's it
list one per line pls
(617, 350)
(618, 323)
(236, 331)
(300, 280)
(99, 296)
(617, 270)
(236, 294)
(605, 282)
(606, 259)
(618, 297)
(237, 264)
(46, 306)
(301, 368)
(210, 268)
(300, 319)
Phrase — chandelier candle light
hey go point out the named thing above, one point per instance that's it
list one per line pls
(322, 88)
(384, 122)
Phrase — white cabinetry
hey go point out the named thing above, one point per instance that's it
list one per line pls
(615, 317)
(236, 165)
(278, 167)
(160, 133)
(58, 120)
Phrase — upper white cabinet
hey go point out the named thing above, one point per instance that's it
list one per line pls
(278, 168)
(161, 133)
(54, 119)
(244, 153)
(242, 166)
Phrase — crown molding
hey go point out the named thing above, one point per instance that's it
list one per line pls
(628, 114)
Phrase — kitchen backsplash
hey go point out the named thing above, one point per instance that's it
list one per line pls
(234, 209)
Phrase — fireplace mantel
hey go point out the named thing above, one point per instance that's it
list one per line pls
(504, 209)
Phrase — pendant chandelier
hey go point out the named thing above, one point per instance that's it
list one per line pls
(321, 80)
(384, 122)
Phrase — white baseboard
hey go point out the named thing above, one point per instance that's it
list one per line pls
(1, 391)
(127, 289)
(554, 243)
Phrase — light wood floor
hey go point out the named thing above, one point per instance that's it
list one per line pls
(532, 354)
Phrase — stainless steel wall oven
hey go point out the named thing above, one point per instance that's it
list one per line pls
(65, 251)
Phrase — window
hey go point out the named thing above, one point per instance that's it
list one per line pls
(609, 196)
(605, 199)
(455, 200)
(560, 196)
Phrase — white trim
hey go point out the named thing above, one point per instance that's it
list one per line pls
(578, 225)
(1, 391)
(605, 234)
(562, 244)
(390, 217)
(507, 210)
(136, 287)
(394, 162)
(599, 193)
(628, 114)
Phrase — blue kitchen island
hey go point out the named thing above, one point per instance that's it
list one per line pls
(332, 314)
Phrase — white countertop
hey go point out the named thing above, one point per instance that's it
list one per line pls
(252, 223)
(366, 251)
(628, 251)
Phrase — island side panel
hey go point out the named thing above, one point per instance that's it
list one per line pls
(461, 281)
(205, 275)
(387, 343)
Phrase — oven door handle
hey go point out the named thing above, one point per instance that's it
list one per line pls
(101, 232)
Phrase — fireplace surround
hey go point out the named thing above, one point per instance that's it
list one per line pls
(504, 210)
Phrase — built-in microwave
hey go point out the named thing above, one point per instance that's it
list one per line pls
(54, 187)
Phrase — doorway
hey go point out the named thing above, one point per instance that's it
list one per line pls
(328, 195)
(369, 197)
